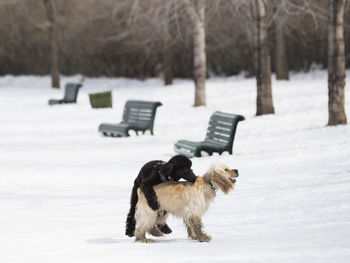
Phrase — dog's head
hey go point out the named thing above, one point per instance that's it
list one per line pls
(178, 167)
(221, 177)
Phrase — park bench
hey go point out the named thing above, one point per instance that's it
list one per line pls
(219, 138)
(70, 94)
(138, 116)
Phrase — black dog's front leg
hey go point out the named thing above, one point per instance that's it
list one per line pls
(150, 195)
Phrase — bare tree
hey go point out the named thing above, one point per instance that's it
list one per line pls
(336, 63)
(51, 16)
(263, 61)
(196, 10)
(281, 63)
(167, 56)
(255, 15)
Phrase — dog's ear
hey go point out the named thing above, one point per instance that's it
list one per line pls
(220, 181)
(165, 171)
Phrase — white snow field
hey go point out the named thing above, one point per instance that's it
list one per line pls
(64, 189)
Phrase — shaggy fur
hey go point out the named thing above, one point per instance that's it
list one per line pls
(185, 200)
(153, 173)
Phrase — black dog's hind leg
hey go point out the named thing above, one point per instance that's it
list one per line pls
(164, 228)
(130, 220)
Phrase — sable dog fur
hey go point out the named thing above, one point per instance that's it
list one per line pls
(185, 200)
(153, 173)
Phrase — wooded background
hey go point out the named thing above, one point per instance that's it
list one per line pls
(146, 38)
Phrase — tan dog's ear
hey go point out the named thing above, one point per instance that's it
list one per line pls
(220, 181)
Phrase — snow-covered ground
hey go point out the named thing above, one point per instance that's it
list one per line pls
(64, 189)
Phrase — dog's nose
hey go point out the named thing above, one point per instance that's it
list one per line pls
(236, 171)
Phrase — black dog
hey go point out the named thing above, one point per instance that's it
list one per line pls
(152, 173)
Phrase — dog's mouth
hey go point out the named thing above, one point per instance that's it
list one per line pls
(233, 180)
(234, 176)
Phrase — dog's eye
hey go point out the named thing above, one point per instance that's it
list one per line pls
(226, 169)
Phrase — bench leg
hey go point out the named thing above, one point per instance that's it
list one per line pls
(197, 153)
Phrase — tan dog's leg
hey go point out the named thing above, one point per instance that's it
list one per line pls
(195, 225)
(161, 219)
(145, 221)
(161, 222)
(190, 231)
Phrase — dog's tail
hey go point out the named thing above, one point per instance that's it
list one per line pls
(130, 220)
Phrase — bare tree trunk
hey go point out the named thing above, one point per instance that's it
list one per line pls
(167, 54)
(51, 16)
(263, 63)
(196, 10)
(336, 63)
(167, 67)
(281, 63)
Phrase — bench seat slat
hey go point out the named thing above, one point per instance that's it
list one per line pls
(223, 132)
(217, 137)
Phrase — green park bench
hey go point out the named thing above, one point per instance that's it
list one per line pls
(219, 138)
(70, 94)
(138, 116)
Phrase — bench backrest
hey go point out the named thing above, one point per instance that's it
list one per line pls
(71, 92)
(222, 128)
(140, 113)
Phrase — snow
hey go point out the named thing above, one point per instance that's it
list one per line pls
(64, 191)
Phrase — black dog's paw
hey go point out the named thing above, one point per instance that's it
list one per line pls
(164, 228)
(154, 204)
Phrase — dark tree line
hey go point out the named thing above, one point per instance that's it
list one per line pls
(102, 38)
